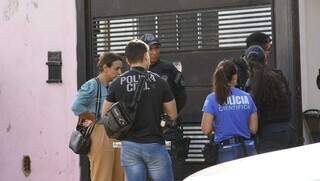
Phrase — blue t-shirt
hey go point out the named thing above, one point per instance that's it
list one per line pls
(231, 118)
(86, 99)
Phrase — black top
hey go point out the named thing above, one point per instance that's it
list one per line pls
(174, 78)
(281, 112)
(146, 127)
(269, 113)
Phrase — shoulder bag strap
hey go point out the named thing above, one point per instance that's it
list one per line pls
(138, 92)
(98, 98)
(98, 104)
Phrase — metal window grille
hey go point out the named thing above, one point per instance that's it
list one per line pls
(183, 31)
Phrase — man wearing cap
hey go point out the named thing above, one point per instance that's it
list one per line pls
(166, 70)
(169, 72)
(257, 38)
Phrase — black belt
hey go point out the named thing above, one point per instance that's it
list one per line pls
(233, 140)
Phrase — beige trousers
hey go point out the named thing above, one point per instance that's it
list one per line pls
(104, 160)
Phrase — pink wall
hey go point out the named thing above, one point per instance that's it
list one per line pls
(35, 116)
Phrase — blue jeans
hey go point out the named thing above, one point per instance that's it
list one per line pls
(139, 159)
(235, 151)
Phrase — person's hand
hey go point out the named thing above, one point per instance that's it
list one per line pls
(87, 118)
(87, 122)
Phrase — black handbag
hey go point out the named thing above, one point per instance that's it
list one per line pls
(119, 118)
(80, 140)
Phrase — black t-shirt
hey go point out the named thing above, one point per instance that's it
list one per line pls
(174, 78)
(146, 127)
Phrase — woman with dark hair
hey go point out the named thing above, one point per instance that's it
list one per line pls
(231, 114)
(104, 159)
(269, 89)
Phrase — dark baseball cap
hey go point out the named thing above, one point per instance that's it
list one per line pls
(255, 52)
(150, 39)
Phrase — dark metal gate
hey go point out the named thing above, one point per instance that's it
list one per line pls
(196, 33)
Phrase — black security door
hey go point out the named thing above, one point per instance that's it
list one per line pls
(198, 34)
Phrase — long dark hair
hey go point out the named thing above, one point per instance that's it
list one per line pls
(222, 76)
(266, 84)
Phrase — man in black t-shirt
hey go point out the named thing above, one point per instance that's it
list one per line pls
(142, 149)
(174, 77)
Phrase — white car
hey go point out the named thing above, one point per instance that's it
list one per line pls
(295, 164)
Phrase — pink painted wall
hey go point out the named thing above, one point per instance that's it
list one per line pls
(35, 116)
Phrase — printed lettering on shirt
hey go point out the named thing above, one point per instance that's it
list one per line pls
(131, 82)
(235, 103)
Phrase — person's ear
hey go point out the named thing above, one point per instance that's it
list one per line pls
(146, 57)
(104, 68)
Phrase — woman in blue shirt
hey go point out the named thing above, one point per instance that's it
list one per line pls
(231, 114)
(104, 159)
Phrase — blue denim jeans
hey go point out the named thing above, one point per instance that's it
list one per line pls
(235, 151)
(138, 160)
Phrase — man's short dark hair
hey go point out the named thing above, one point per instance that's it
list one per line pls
(135, 50)
(258, 38)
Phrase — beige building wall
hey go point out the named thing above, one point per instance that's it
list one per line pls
(310, 52)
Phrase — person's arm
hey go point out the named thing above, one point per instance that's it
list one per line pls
(80, 107)
(253, 118)
(206, 123)
(170, 109)
(181, 98)
(178, 88)
(209, 111)
(253, 123)
(168, 102)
